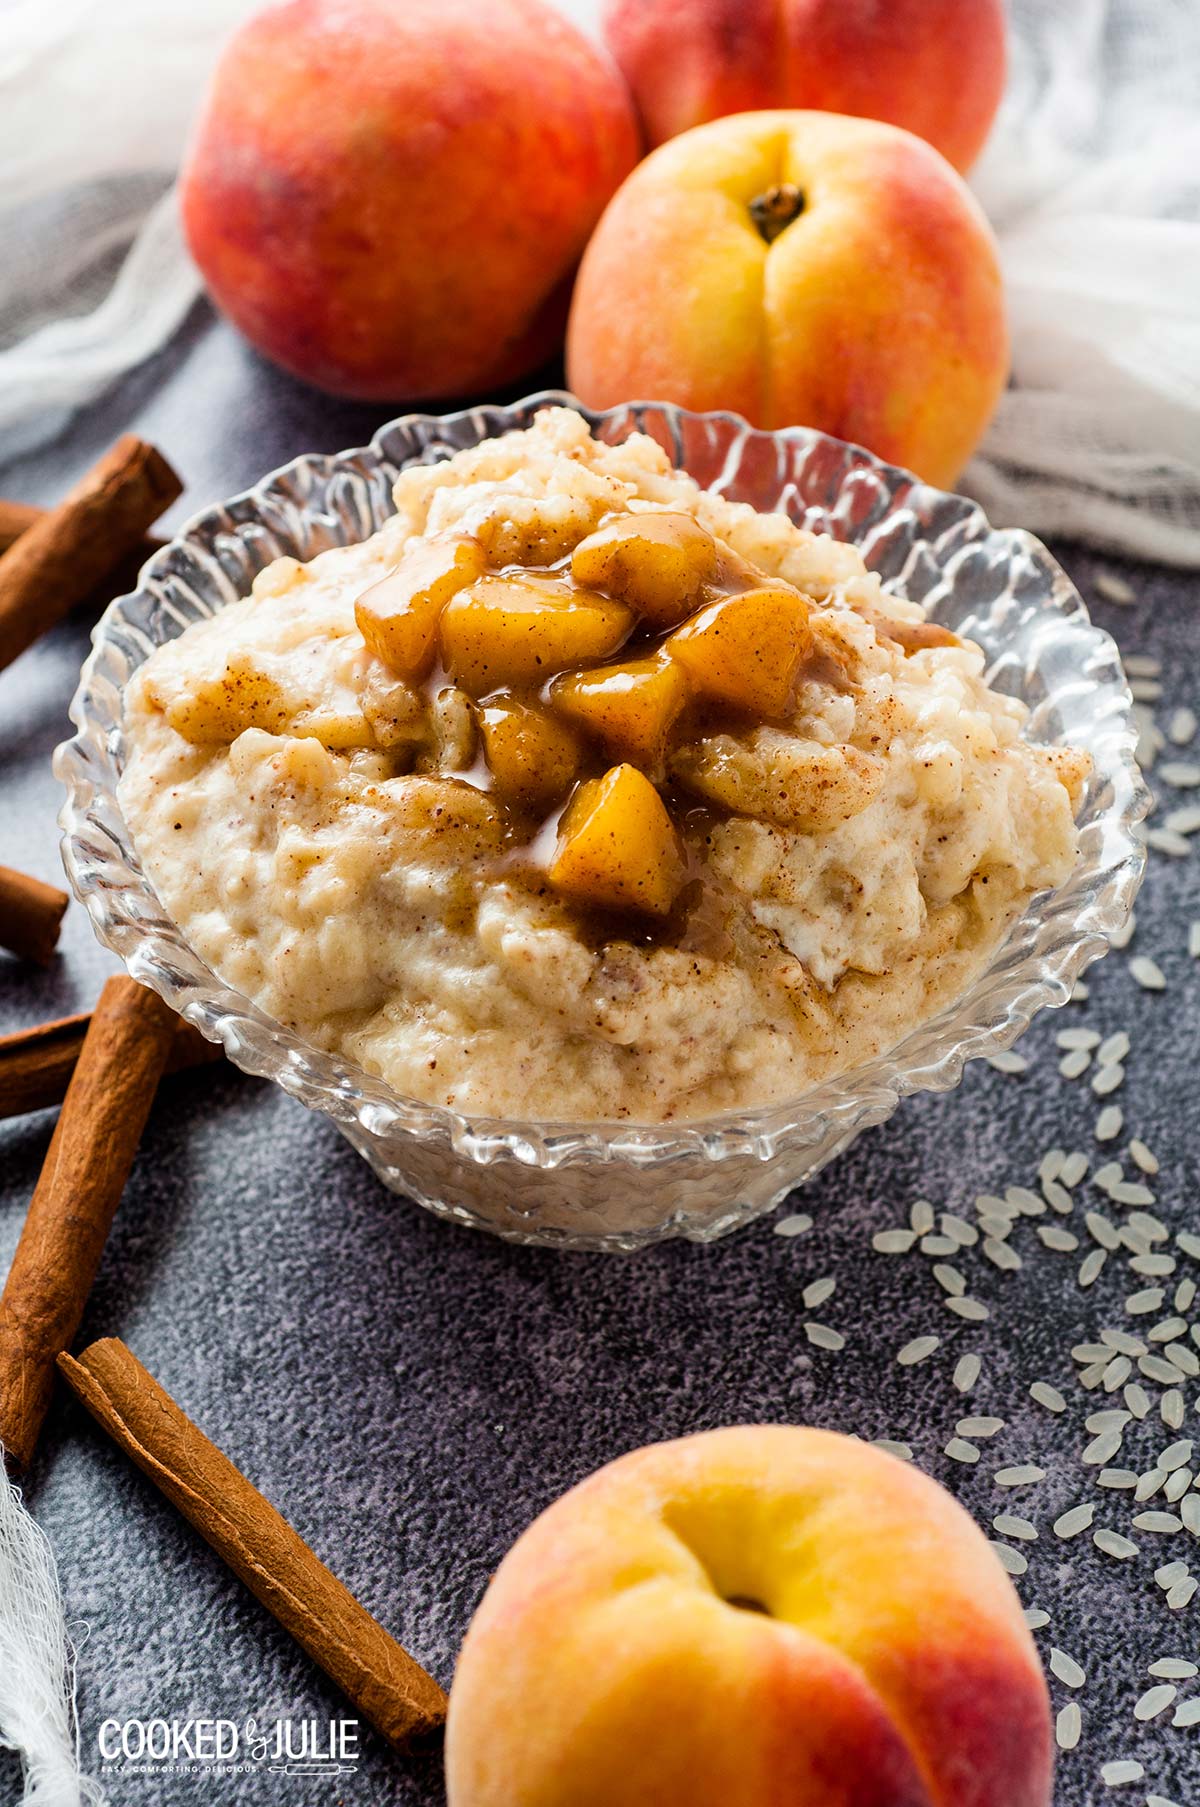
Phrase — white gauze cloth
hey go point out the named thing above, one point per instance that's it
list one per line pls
(1091, 178)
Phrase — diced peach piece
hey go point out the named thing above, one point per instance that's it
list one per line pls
(508, 630)
(617, 847)
(658, 563)
(532, 757)
(630, 707)
(747, 649)
(216, 706)
(398, 616)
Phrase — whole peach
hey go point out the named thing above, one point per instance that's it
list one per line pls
(935, 67)
(758, 1617)
(802, 269)
(390, 198)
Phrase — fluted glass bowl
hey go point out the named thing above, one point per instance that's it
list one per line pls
(620, 1185)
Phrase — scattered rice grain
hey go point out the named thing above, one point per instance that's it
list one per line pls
(1023, 1474)
(1147, 973)
(1111, 1118)
(1072, 1522)
(1113, 1544)
(1155, 1701)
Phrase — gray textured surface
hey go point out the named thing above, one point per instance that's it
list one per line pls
(410, 1395)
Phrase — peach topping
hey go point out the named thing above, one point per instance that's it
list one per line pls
(703, 641)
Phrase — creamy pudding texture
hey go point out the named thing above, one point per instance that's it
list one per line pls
(579, 792)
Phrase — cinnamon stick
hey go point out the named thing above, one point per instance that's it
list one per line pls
(15, 518)
(386, 1684)
(60, 558)
(31, 915)
(36, 1064)
(84, 1173)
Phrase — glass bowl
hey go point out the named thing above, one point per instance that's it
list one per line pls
(618, 1185)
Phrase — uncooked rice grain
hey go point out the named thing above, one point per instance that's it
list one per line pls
(921, 1216)
(1111, 1118)
(1147, 974)
(1172, 1408)
(1111, 1419)
(1066, 1669)
(1110, 586)
(966, 1372)
(1137, 1399)
(1077, 1519)
(1155, 1701)
(1009, 1525)
(959, 1450)
(973, 1310)
(1090, 1266)
(1014, 1562)
(1124, 1769)
(1180, 774)
(823, 1336)
(1163, 1524)
(1000, 1255)
(959, 1230)
(1023, 1474)
(917, 1350)
(1142, 1157)
(1113, 1544)
(1059, 1240)
(1046, 1395)
(1100, 1449)
(1167, 840)
(893, 1242)
(1068, 1726)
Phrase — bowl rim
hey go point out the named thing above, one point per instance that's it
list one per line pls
(151, 944)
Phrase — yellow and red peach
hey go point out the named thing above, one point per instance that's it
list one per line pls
(758, 1617)
(935, 67)
(801, 269)
(389, 199)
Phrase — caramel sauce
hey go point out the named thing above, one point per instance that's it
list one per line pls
(657, 613)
